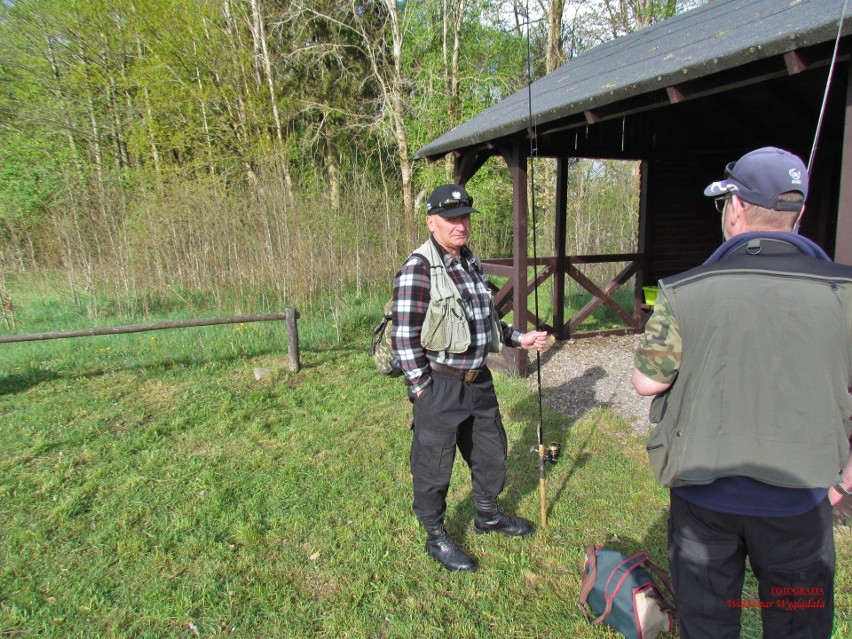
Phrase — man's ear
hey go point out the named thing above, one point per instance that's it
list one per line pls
(795, 229)
(735, 211)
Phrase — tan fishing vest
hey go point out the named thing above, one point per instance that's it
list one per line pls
(446, 328)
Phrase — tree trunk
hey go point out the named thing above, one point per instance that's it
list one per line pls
(147, 111)
(261, 49)
(333, 171)
(202, 103)
(241, 124)
(97, 155)
(60, 94)
(555, 52)
(453, 21)
(395, 100)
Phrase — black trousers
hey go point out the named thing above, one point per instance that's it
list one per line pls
(792, 558)
(454, 414)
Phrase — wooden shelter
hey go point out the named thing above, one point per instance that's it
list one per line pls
(684, 97)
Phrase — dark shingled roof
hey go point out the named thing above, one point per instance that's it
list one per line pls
(715, 37)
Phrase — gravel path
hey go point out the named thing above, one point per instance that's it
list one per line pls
(582, 374)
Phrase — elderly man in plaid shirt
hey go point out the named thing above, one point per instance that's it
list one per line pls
(451, 387)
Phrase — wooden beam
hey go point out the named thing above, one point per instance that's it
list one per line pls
(591, 117)
(539, 278)
(675, 94)
(795, 63)
(501, 296)
(603, 296)
(601, 259)
(467, 164)
(799, 60)
(501, 270)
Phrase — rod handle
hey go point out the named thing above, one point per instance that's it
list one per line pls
(542, 486)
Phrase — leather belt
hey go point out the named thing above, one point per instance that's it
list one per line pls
(457, 373)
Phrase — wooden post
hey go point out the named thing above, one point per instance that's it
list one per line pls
(642, 263)
(843, 239)
(292, 339)
(561, 240)
(520, 208)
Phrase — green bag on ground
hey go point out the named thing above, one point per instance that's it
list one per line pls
(623, 595)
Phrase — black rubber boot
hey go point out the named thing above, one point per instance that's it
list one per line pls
(441, 546)
(489, 518)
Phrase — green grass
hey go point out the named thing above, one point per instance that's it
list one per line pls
(151, 487)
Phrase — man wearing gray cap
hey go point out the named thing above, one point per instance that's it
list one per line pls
(750, 359)
(445, 325)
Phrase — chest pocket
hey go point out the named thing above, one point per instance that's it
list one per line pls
(445, 327)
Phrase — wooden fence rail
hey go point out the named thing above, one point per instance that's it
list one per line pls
(290, 316)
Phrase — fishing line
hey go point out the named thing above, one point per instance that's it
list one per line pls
(828, 85)
(824, 100)
(533, 154)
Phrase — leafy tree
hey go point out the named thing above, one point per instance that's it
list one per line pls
(145, 143)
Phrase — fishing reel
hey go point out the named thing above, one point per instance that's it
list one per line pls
(551, 452)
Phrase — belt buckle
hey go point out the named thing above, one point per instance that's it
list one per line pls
(470, 376)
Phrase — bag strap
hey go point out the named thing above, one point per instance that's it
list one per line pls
(667, 582)
(378, 329)
(589, 579)
(631, 564)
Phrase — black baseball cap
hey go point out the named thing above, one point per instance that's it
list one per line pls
(450, 200)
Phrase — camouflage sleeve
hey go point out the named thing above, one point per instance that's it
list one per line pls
(659, 352)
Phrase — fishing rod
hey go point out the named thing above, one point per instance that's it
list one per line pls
(824, 102)
(533, 154)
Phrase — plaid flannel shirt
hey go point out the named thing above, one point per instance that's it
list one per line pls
(410, 301)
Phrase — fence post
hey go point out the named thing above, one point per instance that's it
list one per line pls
(292, 339)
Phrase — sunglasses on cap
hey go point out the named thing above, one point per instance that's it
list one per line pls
(729, 169)
(446, 205)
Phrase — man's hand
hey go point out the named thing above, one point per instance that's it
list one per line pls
(835, 496)
(534, 340)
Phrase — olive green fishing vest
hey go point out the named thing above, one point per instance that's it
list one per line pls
(446, 328)
(739, 404)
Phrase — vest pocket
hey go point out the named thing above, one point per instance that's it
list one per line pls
(444, 328)
(433, 335)
(658, 453)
